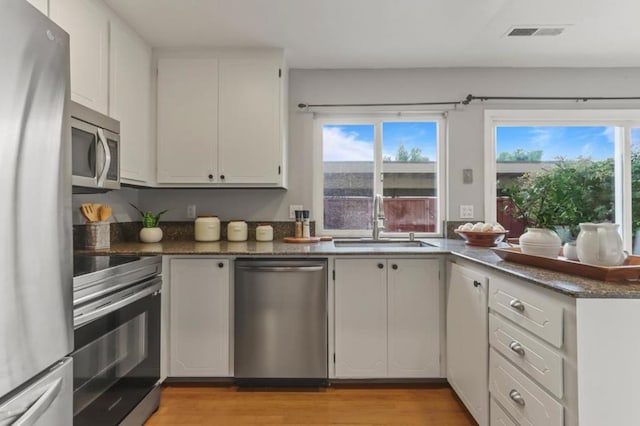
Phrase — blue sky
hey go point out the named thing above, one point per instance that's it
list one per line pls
(354, 142)
(596, 142)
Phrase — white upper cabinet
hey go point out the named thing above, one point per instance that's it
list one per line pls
(41, 5)
(187, 120)
(130, 100)
(249, 133)
(221, 119)
(87, 22)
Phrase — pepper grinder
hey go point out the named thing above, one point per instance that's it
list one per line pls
(306, 228)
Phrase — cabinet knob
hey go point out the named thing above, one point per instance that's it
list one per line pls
(476, 283)
(516, 304)
(220, 265)
(210, 176)
(380, 266)
(394, 266)
(516, 347)
(222, 177)
(516, 397)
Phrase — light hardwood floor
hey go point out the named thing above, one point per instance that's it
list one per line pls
(337, 405)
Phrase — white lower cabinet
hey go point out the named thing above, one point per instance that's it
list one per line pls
(199, 312)
(387, 318)
(467, 340)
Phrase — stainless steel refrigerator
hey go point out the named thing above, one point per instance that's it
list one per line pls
(36, 332)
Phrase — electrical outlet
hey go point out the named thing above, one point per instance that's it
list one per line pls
(466, 211)
(292, 210)
(191, 211)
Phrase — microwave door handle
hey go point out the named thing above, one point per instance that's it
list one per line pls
(107, 158)
(30, 416)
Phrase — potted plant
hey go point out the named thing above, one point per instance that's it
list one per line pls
(540, 201)
(150, 232)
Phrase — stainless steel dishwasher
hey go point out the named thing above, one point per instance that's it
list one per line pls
(280, 322)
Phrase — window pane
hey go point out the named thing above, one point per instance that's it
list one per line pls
(574, 165)
(348, 176)
(635, 188)
(409, 153)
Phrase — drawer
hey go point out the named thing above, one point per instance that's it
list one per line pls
(535, 358)
(499, 417)
(530, 309)
(520, 396)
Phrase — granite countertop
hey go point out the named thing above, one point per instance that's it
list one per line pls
(571, 285)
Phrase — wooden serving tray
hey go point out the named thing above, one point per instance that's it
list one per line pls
(630, 271)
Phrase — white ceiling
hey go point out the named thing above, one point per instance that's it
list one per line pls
(399, 33)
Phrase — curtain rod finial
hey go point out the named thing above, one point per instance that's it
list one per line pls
(302, 105)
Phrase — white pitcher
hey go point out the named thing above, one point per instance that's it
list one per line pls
(600, 244)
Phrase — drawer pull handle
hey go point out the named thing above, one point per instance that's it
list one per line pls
(516, 397)
(516, 304)
(517, 348)
(476, 283)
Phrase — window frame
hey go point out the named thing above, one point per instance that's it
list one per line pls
(623, 119)
(376, 119)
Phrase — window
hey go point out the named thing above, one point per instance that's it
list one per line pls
(364, 156)
(592, 153)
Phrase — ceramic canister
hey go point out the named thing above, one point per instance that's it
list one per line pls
(207, 228)
(264, 232)
(237, 230)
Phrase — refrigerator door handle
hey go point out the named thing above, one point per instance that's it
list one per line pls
(107, 158)
(35, 410)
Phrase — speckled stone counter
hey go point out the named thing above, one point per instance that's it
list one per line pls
(568, 284)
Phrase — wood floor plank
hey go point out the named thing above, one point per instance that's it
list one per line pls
(188, 405)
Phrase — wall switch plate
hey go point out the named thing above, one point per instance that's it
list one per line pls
(191, 211)
(466, 211)
(292, 210)
(467, 175)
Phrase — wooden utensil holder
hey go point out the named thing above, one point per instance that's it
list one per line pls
(97, 236)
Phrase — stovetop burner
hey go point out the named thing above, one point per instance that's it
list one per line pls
(86, 264)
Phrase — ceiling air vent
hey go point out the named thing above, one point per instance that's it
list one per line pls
(535, 31)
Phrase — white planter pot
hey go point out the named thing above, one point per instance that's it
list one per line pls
(540, 242)
(150, 235)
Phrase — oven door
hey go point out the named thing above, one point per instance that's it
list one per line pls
(116, 360)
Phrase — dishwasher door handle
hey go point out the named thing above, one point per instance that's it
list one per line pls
(281, 268)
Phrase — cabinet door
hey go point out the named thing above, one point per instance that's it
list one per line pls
(199, 318)
(87, 23)
(249, 141)
(467, 340)
(361, 318)
(414, 318)
(130, 94)
(187, 120)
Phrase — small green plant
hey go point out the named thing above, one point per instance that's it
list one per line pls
(149, 220)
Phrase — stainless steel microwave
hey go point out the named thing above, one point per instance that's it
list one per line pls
(95, 150)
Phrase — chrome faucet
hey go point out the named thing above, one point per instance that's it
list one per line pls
(378, 216)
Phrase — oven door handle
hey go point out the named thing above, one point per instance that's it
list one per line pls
(30, 415)
(107, 308)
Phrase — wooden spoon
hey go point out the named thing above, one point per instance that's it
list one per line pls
(104, 212)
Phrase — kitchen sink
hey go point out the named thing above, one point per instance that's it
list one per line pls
(365, 242)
